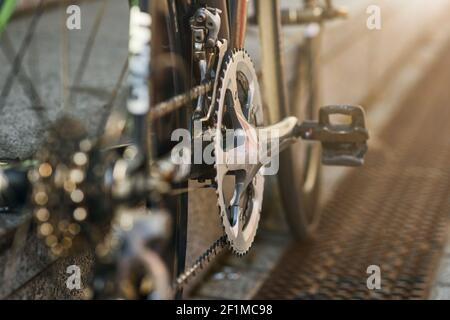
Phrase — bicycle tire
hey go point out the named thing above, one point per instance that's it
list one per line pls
(302, 211)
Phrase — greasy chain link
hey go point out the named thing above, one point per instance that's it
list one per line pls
(164, 108)
(201, 262)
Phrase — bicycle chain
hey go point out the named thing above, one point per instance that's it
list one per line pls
(164, 108)
(202, 261)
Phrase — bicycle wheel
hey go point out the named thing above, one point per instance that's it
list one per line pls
(51, 70)
(300, 168)
(170, 65)
(86, 95)
(53, 76)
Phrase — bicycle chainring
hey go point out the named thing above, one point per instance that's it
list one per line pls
(238, 95)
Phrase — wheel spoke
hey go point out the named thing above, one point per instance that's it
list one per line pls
(114, 94)
(84, 61)
(64, 56)
(24, 79)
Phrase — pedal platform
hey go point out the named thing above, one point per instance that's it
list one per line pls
(344, 143)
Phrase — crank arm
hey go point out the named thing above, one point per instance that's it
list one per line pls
(342, 144)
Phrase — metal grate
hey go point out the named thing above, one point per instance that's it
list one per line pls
(393, 213)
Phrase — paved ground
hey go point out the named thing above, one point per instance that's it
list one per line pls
(51, 65)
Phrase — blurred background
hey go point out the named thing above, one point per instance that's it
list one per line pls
(393, 213)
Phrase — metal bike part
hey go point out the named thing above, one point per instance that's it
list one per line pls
(222, 5)
(253, 146)
(222, 47)
(343, 144)
(14, 188)
(200, 263)
(239, 104)
(129, 261)
(205, 27)
(174, 104)
(312, 13)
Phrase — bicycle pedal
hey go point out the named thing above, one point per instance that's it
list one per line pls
(344, 143)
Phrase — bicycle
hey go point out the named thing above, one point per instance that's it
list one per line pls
(204, 81)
